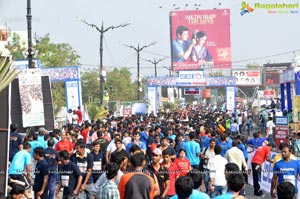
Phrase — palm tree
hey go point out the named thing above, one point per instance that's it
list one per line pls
(7, 74)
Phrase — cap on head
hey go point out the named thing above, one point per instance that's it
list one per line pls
(42, 129)
(157, 151)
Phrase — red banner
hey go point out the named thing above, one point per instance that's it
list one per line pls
(281, 134)
(200, 39)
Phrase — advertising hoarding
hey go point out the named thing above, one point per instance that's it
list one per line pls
(200, 39)
(195, 78)
(31, 96)
(273, 71)
(247, 77)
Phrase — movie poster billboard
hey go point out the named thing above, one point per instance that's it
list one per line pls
(200, 39)
(31, 96)
(247, 77)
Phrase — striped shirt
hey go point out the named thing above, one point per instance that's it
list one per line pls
(109, 190)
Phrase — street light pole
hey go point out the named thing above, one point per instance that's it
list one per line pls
(138, 50)
(155, 63)
(29, 33)
(102, 30)
(168, 70)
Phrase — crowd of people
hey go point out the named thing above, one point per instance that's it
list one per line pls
(165, 156)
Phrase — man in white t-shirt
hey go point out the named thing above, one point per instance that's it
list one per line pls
(269, 128)
(216, 167)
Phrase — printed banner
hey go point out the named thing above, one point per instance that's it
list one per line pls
(195, 78)
(175, 81)
(72, 95)
(31, 96)
(200, 39)
(230, 98)
(171, 95)
(152, 97)
(62, 73)
(247, 77)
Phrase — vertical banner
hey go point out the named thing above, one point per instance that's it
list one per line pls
(72, 95)
(230, 98)
(171, 95)
(152, 97)
(200, 39)
(296, 107)
(31, 96)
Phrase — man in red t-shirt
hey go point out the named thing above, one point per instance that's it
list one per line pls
(172, 169)
(64, 144)
(261, 154)
(79, 114)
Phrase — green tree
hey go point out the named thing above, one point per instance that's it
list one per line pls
(90, 84)
(15, 47)
(120, 81)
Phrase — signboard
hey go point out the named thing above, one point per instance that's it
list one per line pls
(200, 39)
(296, 107)
(195, 78)
(281, 134)
(62, 73)
(281, 121)
(72, 95)
(127, 109)
(273, 72)
(269, 93)
(152, 96)
(171, 97)
(139, 108)
(191, 91)
(174, 81)
(230, 98)
(247, 77)
(23, 64)
(206, 93)
(31, 96)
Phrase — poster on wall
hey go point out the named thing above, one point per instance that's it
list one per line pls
(31, 96)
(72, 94)
(200, 39)
(247, 77)
(230, 98)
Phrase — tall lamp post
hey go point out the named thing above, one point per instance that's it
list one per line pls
(169, 69)
(29, 33)
(138, 49)
(155, 63)
(102, 30)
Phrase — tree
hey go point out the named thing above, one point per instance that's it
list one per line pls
(15, 47)
(90, 84)
(120, 81)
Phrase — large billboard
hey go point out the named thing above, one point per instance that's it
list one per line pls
(247, 77)
(200, 39)
(273, 71)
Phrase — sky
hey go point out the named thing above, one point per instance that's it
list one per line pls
(254, 35)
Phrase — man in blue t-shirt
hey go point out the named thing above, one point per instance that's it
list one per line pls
(20, 167)
(136, 141)
(258, 139)
(192, 149)
(286, 169)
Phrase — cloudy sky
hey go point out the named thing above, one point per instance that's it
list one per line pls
(255, 35)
